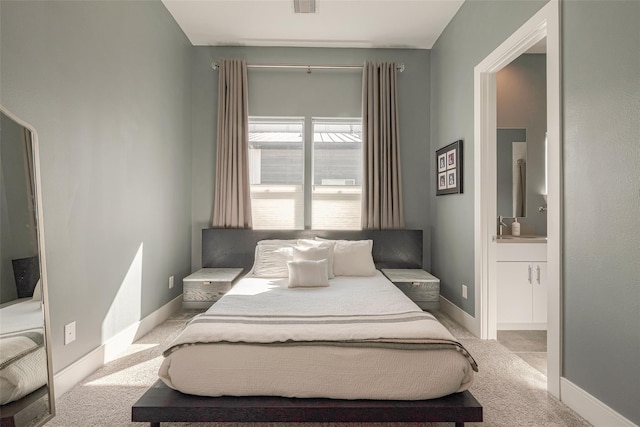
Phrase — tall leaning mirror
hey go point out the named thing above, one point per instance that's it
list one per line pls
(26, 378)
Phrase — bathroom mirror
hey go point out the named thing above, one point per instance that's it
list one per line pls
(26, 377)
(512, 173)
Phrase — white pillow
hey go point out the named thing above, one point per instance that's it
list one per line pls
(315, 250)
(271, 260)
(37, 291)
(353, 258)
(308, 274)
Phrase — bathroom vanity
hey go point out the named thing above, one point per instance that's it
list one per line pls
(522, 283)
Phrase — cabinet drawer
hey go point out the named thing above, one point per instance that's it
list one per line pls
(425, 295)
(420, 292)
(205, 291)
(515, 252)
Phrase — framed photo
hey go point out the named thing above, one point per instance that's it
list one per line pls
(451, 159)
(442, 181)
(442, 162)
(452, 182)
(449, 169)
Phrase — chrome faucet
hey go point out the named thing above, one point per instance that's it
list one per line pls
(500, 224)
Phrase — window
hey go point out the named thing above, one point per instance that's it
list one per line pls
(276, 173)
(337, 174)
(277, 167)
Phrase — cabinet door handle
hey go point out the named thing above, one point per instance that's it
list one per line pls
(538, 273)
(530, 275)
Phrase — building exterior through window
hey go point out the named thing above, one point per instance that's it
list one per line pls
(279, 185)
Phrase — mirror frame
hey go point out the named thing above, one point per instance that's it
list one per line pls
(42, 257)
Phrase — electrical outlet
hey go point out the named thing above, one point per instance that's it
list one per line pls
(464, 291)
(170, 282)
(69, 333)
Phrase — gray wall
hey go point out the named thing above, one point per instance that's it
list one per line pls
(319, 94)
(107, 87)
(601, 98)
(521, 90)
(601, 134)
(476, 30)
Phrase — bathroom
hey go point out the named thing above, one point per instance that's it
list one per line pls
(521, 194)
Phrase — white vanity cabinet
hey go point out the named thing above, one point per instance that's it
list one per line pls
(522, 286)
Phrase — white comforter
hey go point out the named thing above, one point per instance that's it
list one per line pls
(365, 313)
(25, 314)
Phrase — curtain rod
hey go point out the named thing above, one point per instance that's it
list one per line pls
(400, 67)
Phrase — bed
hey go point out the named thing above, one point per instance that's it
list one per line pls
(23, 359)
(352, 347)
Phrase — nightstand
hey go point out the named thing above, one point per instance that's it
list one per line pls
(423, 288)
(204, 287)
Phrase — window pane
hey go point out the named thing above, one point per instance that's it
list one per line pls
(276, 170)
(337, 174)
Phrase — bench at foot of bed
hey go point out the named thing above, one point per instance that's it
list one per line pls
(163, 404)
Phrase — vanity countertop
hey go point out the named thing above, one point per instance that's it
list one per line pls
(521, 239)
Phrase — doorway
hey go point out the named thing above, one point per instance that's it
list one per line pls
(544, 25)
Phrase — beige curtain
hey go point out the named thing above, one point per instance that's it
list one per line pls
(382, 183)
(232, 199)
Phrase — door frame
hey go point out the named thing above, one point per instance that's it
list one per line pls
(544, 24)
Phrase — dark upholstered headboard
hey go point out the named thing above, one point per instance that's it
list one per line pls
(224, 247)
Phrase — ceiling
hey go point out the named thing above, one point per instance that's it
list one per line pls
(338, 23)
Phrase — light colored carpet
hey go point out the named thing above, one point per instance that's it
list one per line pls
(531, 346)
(524, 341)
(511, 391)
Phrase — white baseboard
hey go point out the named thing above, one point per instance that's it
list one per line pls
(590, 408)
(73, 374)
(522, 326)
(469, 322)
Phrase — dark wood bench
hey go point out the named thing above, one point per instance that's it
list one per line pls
(163, 404)
(30, 410)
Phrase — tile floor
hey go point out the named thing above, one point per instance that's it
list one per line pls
(531, 346)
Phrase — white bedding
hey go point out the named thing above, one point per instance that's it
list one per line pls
(23, 315)
(23, 360)
(359, 338)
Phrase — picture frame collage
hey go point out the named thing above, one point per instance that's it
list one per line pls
(449, 169)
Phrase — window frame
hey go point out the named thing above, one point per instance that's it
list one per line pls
(308, 137)
(312, 184)
(299, 120)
